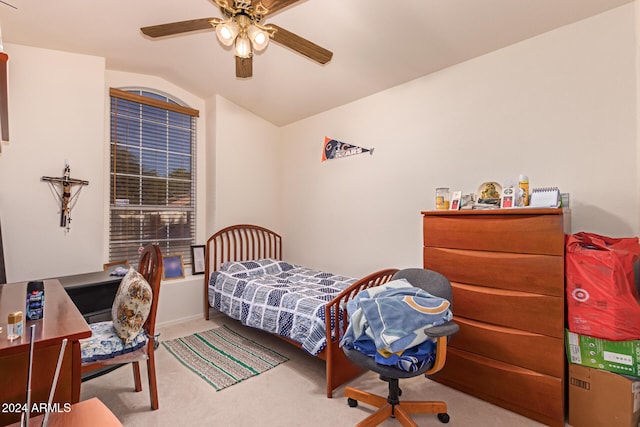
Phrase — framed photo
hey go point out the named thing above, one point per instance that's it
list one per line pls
(173, 267)
(508, 197)
(197, 256)
(455, 200)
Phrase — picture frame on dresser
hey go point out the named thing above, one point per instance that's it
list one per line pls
(455, 201)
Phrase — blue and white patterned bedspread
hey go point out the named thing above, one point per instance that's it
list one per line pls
(277, 297)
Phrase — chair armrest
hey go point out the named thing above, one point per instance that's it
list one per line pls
(441, 333)
(444, 330)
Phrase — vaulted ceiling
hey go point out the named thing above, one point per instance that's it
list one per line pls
(376, 44)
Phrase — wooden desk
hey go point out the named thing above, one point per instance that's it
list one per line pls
(61, 320)
(90, 412)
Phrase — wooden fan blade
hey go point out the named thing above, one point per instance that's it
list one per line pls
(177, 27)
(244, 67)
(274, 5)
(301, 45)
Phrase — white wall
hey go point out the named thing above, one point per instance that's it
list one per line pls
(637, 56)
(559, 107)
(56, 112)
(210, 172)
(247, 165)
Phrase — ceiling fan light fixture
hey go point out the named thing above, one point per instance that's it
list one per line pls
(243, 47)
(259, 37)
(227, 32)
(240, 28)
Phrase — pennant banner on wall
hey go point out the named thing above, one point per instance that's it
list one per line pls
(334, 149)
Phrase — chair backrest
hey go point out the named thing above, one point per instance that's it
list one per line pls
(150, 266)
(428, 280)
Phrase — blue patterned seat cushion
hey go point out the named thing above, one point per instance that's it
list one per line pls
(105, 343)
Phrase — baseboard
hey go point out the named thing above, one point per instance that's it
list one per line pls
(180, 320)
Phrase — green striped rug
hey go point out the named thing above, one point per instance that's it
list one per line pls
(223, 357)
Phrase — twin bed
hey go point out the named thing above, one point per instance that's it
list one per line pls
(246, 279)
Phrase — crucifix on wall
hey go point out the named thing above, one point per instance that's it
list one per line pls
(63, 187)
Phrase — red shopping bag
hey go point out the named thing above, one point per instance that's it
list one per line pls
(602, 298)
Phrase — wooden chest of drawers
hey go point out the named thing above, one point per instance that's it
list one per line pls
(507, 272)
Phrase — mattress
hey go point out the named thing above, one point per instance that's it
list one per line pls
(278, 297)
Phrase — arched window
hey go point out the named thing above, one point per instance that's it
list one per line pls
(152, 174)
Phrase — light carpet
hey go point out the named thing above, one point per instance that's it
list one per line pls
(223, 357)
(291, 395)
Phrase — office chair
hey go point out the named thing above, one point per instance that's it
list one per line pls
(106, 347)
(435, 284)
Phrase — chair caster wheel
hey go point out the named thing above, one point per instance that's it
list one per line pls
(352, 402)
(444, 418)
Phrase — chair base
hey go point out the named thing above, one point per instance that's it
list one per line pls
(400, 410)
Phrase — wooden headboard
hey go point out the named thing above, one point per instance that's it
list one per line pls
(241, 242)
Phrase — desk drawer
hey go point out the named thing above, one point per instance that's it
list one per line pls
(531, 234)
(525, 349)
(518, 272)
(530, 393)
(536, 313)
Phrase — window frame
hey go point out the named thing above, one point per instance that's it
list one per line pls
(163, 101)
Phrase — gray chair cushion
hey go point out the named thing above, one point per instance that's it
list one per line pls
(428, 280)
(370, 364)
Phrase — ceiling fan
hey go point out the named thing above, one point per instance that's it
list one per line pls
(242, 28)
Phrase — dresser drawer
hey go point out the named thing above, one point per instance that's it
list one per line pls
(531, 234)
(518, 272)
(536, 313)
(524, 391)
(525, 349)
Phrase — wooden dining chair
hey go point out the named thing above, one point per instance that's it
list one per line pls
(128, 338)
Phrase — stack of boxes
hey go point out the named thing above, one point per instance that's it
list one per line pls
(604, 388)
(604, 375)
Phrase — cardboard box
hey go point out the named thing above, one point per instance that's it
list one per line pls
(602, 399)
(621, 357)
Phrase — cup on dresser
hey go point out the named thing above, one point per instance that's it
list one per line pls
(442, 198)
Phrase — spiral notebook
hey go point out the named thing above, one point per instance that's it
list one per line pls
(545, 197)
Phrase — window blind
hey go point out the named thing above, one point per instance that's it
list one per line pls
(152, 196)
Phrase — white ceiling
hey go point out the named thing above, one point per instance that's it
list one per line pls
(376, 44)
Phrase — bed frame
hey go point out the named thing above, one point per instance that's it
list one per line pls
(246, 242)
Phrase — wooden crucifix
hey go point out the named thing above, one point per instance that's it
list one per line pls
(67, 199)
